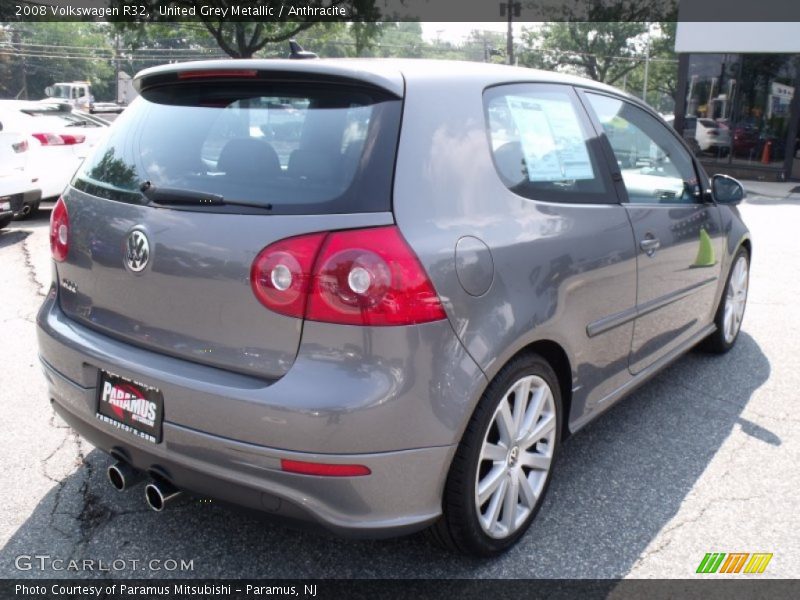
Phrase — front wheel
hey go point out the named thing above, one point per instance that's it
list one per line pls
(501, 470)
(5, 221)
(730, 312)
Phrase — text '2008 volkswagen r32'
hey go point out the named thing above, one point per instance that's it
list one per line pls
(376, 295)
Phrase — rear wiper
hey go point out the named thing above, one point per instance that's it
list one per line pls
(173, 196)
(181, 197)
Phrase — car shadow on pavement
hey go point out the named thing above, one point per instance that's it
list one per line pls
(617, 484)
(772, 200)
(9, 237)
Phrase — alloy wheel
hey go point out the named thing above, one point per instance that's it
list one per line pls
(516, 456)
(735, 299)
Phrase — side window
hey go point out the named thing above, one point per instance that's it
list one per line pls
(541, 145)
(654, 165)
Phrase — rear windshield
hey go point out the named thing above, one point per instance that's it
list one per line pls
(293, 148)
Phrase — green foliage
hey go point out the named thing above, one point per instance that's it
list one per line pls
(611, 52)
(601, 51)
(46, 52)
(662, 80)
(400, 40)
(247, 38)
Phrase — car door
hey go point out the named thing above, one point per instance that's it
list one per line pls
(678, 234)
(561, 242)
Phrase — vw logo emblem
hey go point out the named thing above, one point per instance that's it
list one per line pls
(137, 251)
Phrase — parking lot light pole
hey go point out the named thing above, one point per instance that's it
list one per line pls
(510, 10)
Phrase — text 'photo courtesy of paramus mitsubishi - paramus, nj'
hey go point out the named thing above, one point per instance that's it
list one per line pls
(376, 295)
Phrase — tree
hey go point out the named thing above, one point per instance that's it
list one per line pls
(47, 52)
(244, 38)
(400, 39)
(604, 51)
(152, 44)
(366, 27)
(662, 72)
(485, 46)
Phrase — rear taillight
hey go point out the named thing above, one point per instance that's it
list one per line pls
(371, 277)
(59, 231)
(55, 139)
(20, 147)
(281, 273)
(354, 277)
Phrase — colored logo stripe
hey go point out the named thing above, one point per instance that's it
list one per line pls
(714, 562)
(758, 563)
(734, 562)
(711, 562)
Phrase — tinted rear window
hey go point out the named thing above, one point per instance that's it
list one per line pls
(298, 148)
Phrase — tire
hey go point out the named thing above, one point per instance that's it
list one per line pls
(484, 455)
(735, 297)
(5, 221)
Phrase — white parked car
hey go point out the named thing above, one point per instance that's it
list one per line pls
(58, 140)
(704, 135)
(18, 188)
(712, 136)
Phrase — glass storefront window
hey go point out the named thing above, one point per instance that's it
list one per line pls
(738, 107)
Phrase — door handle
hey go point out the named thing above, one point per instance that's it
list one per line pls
(650, 244)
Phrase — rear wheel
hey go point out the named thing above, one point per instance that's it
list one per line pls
(5, 221)
(731, 307)
(501, 470)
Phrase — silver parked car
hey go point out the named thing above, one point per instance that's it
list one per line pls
(377, 295)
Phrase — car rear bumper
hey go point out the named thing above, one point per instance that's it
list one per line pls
(16, 201)
(403, 492)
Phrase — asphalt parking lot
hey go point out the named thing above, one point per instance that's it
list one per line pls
(702, 459)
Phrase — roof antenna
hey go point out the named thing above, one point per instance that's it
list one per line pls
(296, 51)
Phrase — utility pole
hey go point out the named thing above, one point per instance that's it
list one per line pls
(116, 65)
(646, 64)
(16, 43)
(510, 10)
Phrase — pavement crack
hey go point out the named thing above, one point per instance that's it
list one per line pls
(93, 514)
(667, 535)
(30, 269)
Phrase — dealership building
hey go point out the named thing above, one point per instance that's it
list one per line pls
(738, 103)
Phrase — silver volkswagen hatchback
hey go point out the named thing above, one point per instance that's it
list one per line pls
(377, 295)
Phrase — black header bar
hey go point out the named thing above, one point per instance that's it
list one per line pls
(400, 10)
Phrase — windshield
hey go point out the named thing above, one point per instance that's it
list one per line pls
(298, 149)
(60, 91)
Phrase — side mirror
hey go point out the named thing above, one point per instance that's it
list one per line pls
(727, 190)
(48, 91)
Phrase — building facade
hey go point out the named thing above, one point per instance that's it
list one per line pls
(738, 104)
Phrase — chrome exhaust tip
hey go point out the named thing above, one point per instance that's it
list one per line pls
(122, 476)
(160, 493)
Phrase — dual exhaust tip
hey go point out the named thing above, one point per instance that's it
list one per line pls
(157, 494)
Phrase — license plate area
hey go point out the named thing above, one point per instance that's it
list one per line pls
(132, 406)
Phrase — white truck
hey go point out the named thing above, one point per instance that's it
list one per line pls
(79, 95)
